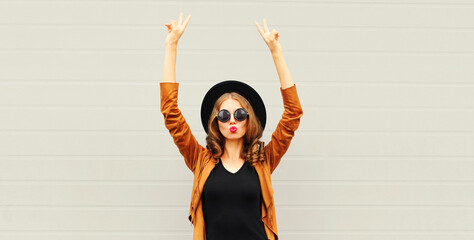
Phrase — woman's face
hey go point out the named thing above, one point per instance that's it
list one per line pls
(227, 129)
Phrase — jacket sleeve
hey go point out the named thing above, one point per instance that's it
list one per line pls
(177, 126)
(285, 130)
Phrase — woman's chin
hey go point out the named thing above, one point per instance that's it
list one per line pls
(233, 136)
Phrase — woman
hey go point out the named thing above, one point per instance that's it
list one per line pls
(232, 194)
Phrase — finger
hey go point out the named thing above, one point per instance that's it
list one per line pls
(168, 26)
(173, 23)
(273, 34)
(259, 28)
(180, 18)
(186, 21)
(265, 27)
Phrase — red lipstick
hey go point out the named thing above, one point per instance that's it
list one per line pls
(233, 129)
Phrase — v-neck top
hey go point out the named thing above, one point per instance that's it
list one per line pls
(232, 204)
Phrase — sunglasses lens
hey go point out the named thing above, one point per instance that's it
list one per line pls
(240, 114)
(223, 115)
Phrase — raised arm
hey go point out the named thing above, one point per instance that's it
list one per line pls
(175, 31)
(271, 39)
(174, 120)
(290, 119)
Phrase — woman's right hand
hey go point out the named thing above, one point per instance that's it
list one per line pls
(176, 29)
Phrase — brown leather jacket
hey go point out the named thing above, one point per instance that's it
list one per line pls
(199, 159)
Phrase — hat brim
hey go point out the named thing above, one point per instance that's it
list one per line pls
(232, 86)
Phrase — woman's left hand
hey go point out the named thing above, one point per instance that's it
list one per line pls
(270, 38)
(176, 29)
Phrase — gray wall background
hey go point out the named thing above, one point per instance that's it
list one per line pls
(385, 149)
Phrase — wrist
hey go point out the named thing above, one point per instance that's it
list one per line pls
(276, 50)
(172, 45)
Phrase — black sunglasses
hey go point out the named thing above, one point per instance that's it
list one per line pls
(224, 115)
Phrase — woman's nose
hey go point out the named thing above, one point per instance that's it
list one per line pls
(232, 120)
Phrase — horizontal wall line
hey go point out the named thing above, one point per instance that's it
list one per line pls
(160, 50)
(190, 108)
(198, 26)
(304, 132)
(343, 182)
(169, 157)
(322, 231)
(186, 207)
(98, 232)
(264, 82)
(326, 156)
(374, 231)
(231, 3)
(334, 232)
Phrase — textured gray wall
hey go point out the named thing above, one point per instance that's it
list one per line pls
(385, 149)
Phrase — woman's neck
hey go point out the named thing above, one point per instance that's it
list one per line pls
(232, 149)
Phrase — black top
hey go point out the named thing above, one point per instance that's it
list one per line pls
(232, 204)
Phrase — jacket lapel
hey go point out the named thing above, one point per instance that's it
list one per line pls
(267, 192)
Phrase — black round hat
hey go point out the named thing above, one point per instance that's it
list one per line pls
(232, 86)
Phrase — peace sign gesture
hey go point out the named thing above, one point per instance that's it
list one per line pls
(270, 38)
(176, 29)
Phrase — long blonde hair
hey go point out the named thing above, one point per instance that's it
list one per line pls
(253, 148)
